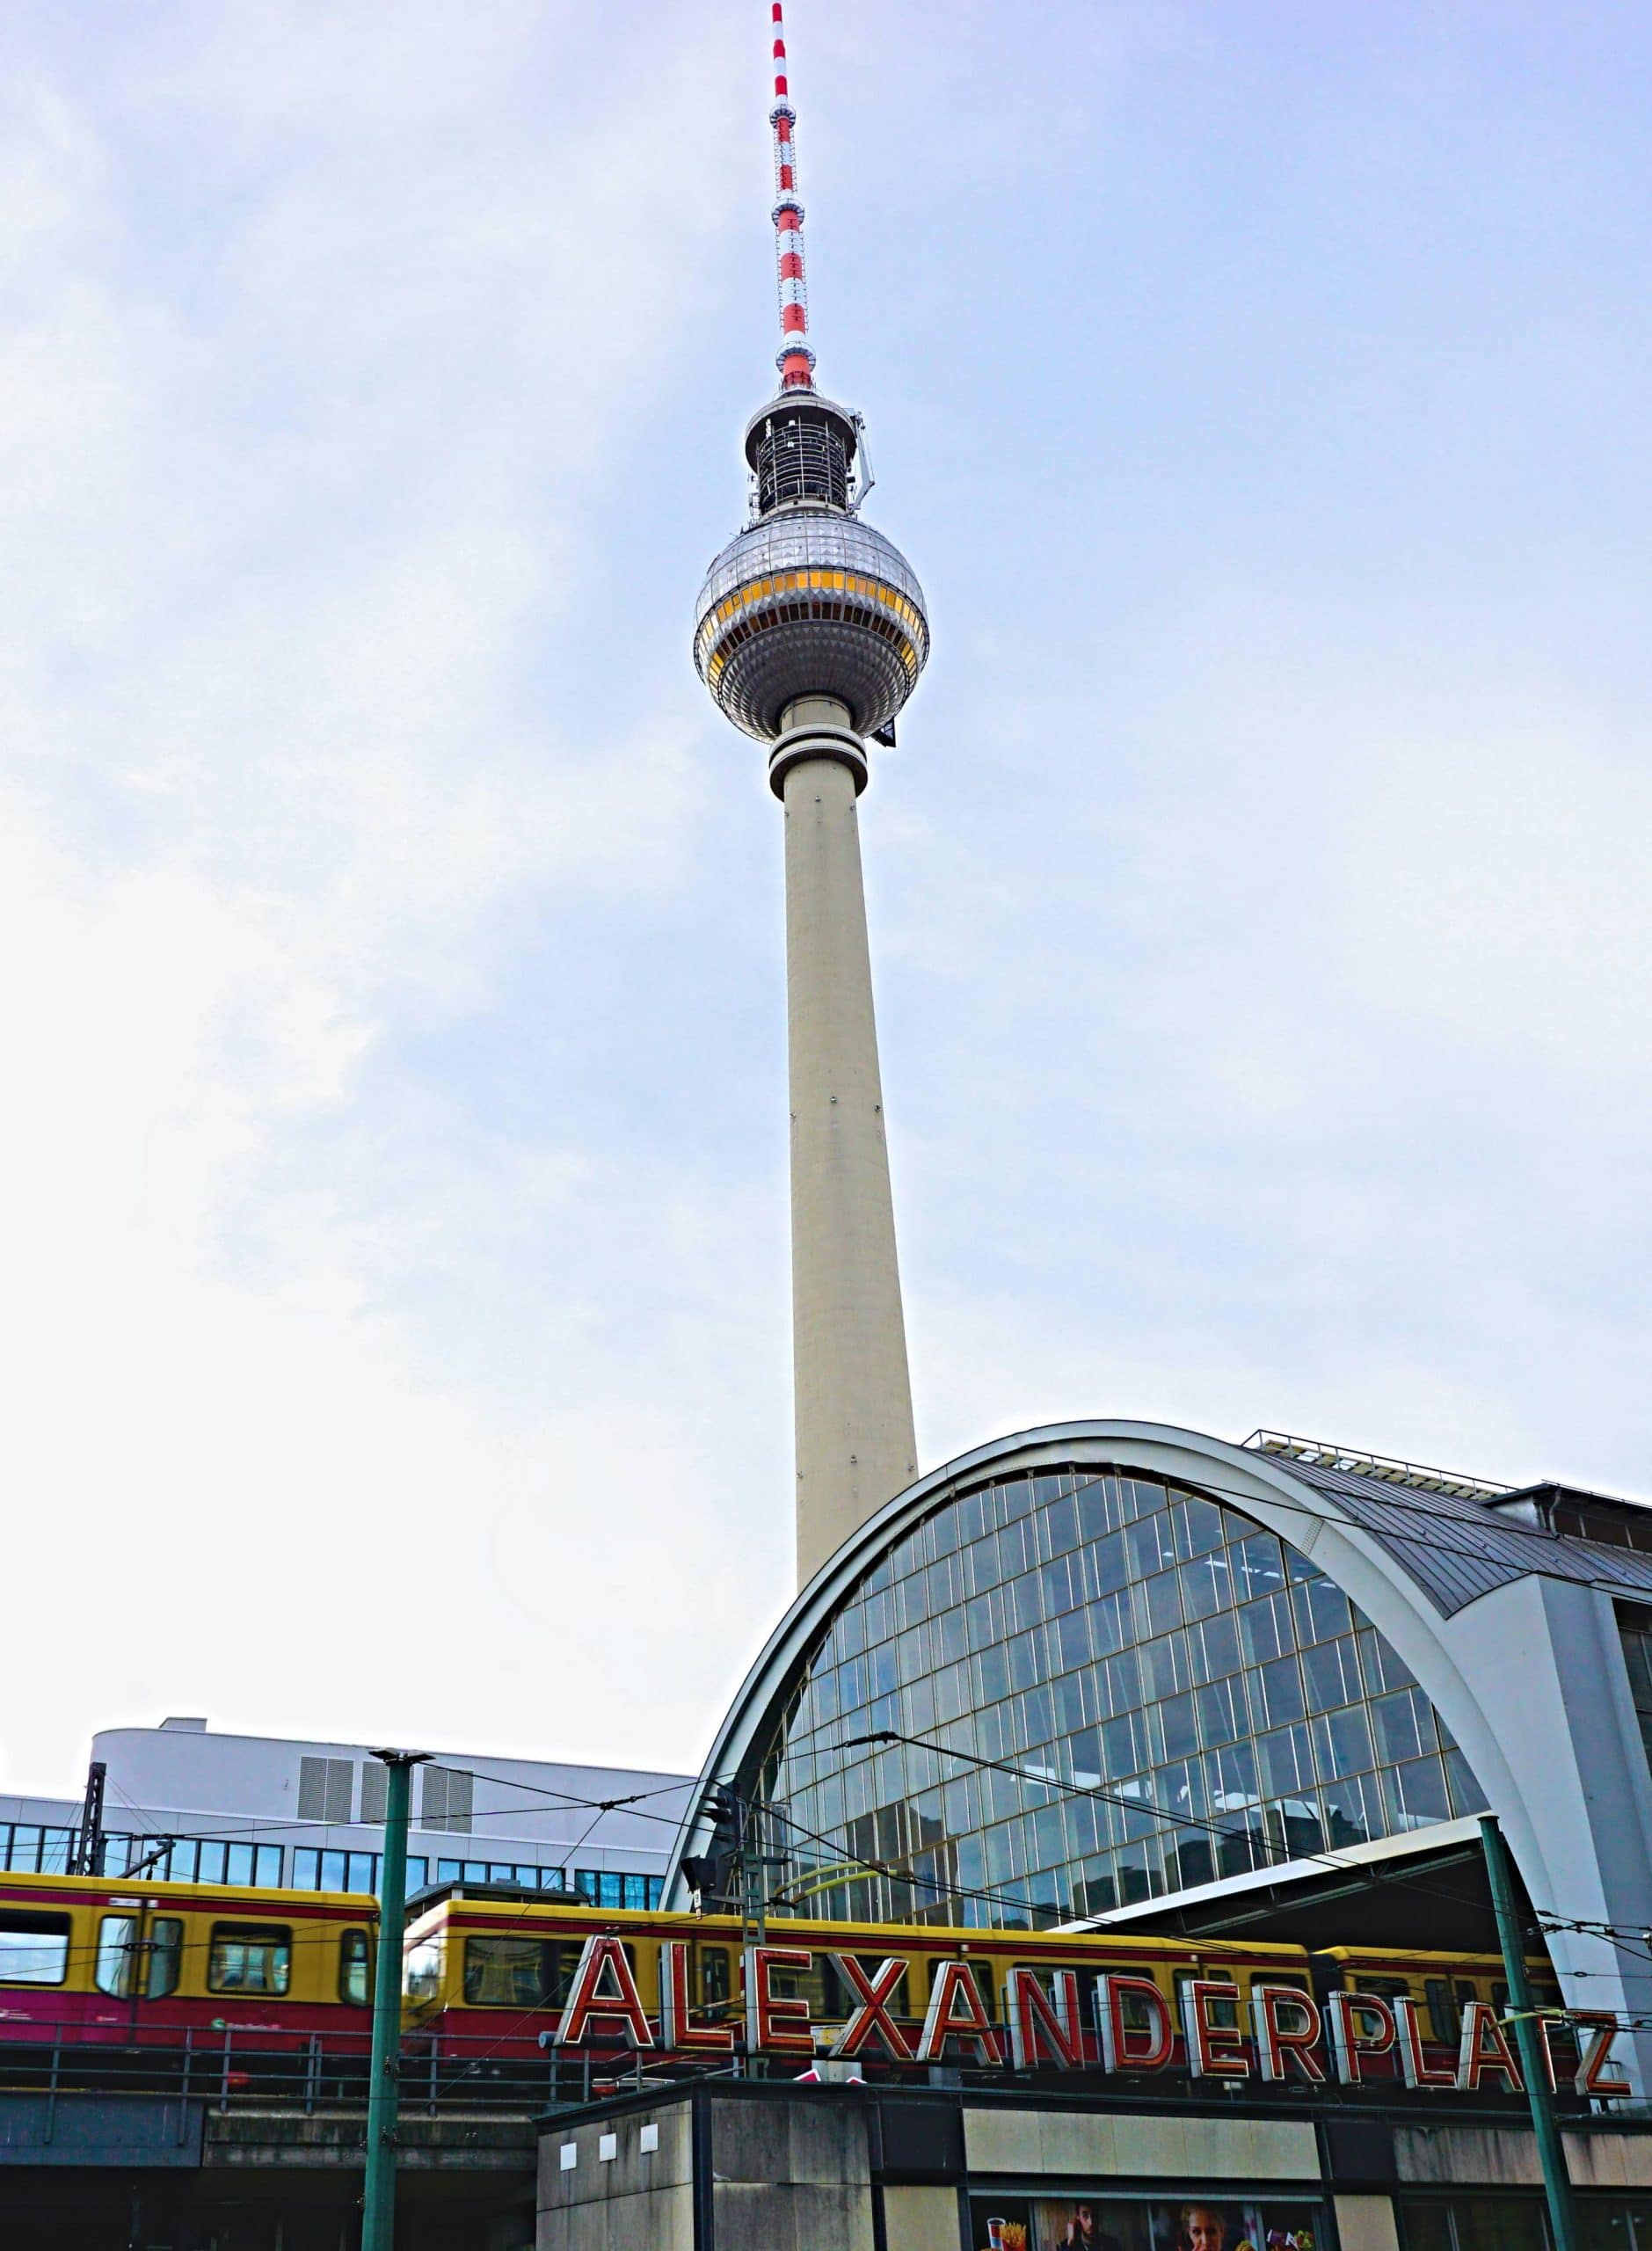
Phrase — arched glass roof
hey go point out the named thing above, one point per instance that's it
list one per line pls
(1063, 1690)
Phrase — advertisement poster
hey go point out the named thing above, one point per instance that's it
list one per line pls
(1194, 2223)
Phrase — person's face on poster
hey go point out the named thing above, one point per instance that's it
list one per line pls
(1204, 2228)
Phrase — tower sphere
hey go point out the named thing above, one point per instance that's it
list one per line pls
(807, 600)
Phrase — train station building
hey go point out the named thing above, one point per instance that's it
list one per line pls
(1117, 1674)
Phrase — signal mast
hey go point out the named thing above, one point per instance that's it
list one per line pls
(811, 631)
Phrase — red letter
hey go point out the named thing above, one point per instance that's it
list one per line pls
(780, 2026)
(956, 2013)
(1417, 2069)
(1214, 2050)
(1349, 2043)
(1278, 2045)
(1474, 2058)
(1111, 1992)
(872, 2016)
(588, 2003)
(1030, 2011)
(677, 2027)
(1590, 2072)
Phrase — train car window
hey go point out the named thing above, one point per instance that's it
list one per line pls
(166, 1956)
(839, 2002)
(421, 1972)
(989, 1977)
(1137, 2015)
(118, 1957)
(1223, 2014)
(34, 1948)
(808, 1985)
(355, 1971)
(521, 1973)
(1444, 2017)
(1293, 1978)
(1386, 1989)
(712, 1985)
(250, 1958)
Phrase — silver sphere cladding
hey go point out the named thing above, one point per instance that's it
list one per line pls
(809, 602)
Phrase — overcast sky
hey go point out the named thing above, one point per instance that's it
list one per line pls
(394, 1289)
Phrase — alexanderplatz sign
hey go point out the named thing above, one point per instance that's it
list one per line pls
(1349, 2039)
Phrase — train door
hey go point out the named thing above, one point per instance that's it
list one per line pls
(137, 1957)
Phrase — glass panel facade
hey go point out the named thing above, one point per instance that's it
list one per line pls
(194, 1860)
(1078, 1631)
(1635, 1626)
(316, 1869)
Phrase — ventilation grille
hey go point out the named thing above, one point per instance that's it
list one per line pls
(373, 1777)
(326, 1787)
(448, 1795)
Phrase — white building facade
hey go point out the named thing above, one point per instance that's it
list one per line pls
(189, 1805)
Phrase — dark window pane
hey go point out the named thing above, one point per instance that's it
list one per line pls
(1204, 1586)
(1499, 2223)
(1320, 1611)
(1109, 1564)
(1280, 1686)
(1214, 1646)
(1415, 1794)
(1400, 1720)
(1425, 2227)
(1265, 1628)
(1331, 1673)
(1221, 1709)
(1286, 1762)
(1180, 1734)
(1158, 1605)
(1341, 1744)
(1197, 1526)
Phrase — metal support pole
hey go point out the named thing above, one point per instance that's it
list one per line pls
(378, 2199)
(1557, 2185)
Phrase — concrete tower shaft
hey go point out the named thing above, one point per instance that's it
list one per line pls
(856, 1446)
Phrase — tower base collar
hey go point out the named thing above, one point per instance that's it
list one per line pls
(815, 740)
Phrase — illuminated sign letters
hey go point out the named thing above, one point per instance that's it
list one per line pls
(1279, 2032)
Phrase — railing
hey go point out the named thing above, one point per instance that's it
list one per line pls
(228, 2070)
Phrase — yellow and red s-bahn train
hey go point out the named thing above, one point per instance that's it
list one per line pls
(103, 1961)
(492, 1977)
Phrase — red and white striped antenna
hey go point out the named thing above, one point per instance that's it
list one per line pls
(794, 359)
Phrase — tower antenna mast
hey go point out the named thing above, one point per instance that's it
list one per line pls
(794, 358)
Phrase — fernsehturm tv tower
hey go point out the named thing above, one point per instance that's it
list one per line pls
(811, 633)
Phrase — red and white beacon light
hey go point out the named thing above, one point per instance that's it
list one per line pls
(794, 359)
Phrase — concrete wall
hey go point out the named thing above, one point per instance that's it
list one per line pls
(616, 2194)
(790, 2176)
(1088, 2145)
(1450, 2157)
